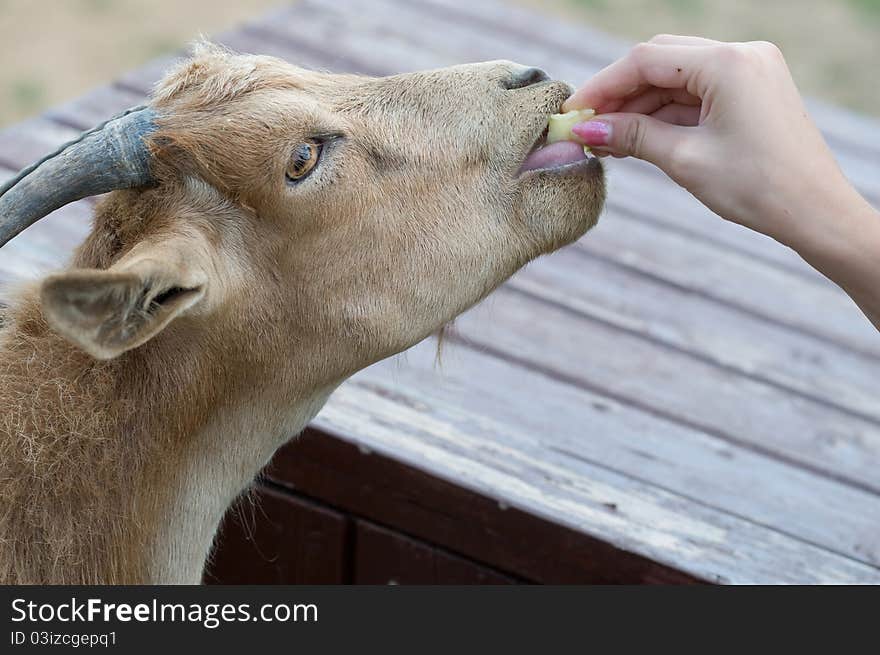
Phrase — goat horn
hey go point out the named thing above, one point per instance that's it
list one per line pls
(111, 156)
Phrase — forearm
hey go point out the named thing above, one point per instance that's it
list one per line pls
(842, 241)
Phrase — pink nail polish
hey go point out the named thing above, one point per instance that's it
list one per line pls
(593, 133)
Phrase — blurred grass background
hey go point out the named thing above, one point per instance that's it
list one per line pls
(56, 49)
(832, 46)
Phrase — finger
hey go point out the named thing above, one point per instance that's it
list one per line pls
(664, 66)
(653, 99)
(616, 105)
(637, 135)
(676, 114)
(675, 39)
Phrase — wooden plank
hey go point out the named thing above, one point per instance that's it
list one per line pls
(713, 401)
(567, 412)
(47, 245)
(441, 512)
(572, 40)
(387, 557)
(634, 188)
(273, 537)
(94, 107)
(425, 38)
(739, 282)
(27, 142)
(762, 350)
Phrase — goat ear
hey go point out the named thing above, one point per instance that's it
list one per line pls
(107, 313)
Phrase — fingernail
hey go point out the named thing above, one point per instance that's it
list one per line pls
(593, 133)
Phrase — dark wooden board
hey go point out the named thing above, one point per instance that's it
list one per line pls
(384, 556)
(271, 537)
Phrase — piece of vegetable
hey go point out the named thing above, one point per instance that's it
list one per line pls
(559, 126)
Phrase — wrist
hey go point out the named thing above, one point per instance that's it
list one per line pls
(841, 240)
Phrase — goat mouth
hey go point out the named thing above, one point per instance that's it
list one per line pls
(562, 156)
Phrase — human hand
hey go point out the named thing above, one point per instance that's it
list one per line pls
(725, 121)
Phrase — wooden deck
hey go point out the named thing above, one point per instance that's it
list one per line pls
(672, 398)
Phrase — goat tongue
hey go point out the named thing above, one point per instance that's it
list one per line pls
(554, 155)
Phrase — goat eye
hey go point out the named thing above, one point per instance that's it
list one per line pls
(304, 158)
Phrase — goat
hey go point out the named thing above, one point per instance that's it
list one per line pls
(271, 231)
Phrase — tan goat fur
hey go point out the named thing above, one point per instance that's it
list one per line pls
(206, 320)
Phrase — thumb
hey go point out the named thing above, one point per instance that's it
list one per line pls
(636, 135)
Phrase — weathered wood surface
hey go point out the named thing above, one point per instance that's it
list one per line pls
(699, 378)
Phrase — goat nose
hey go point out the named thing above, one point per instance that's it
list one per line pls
(523, 77)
